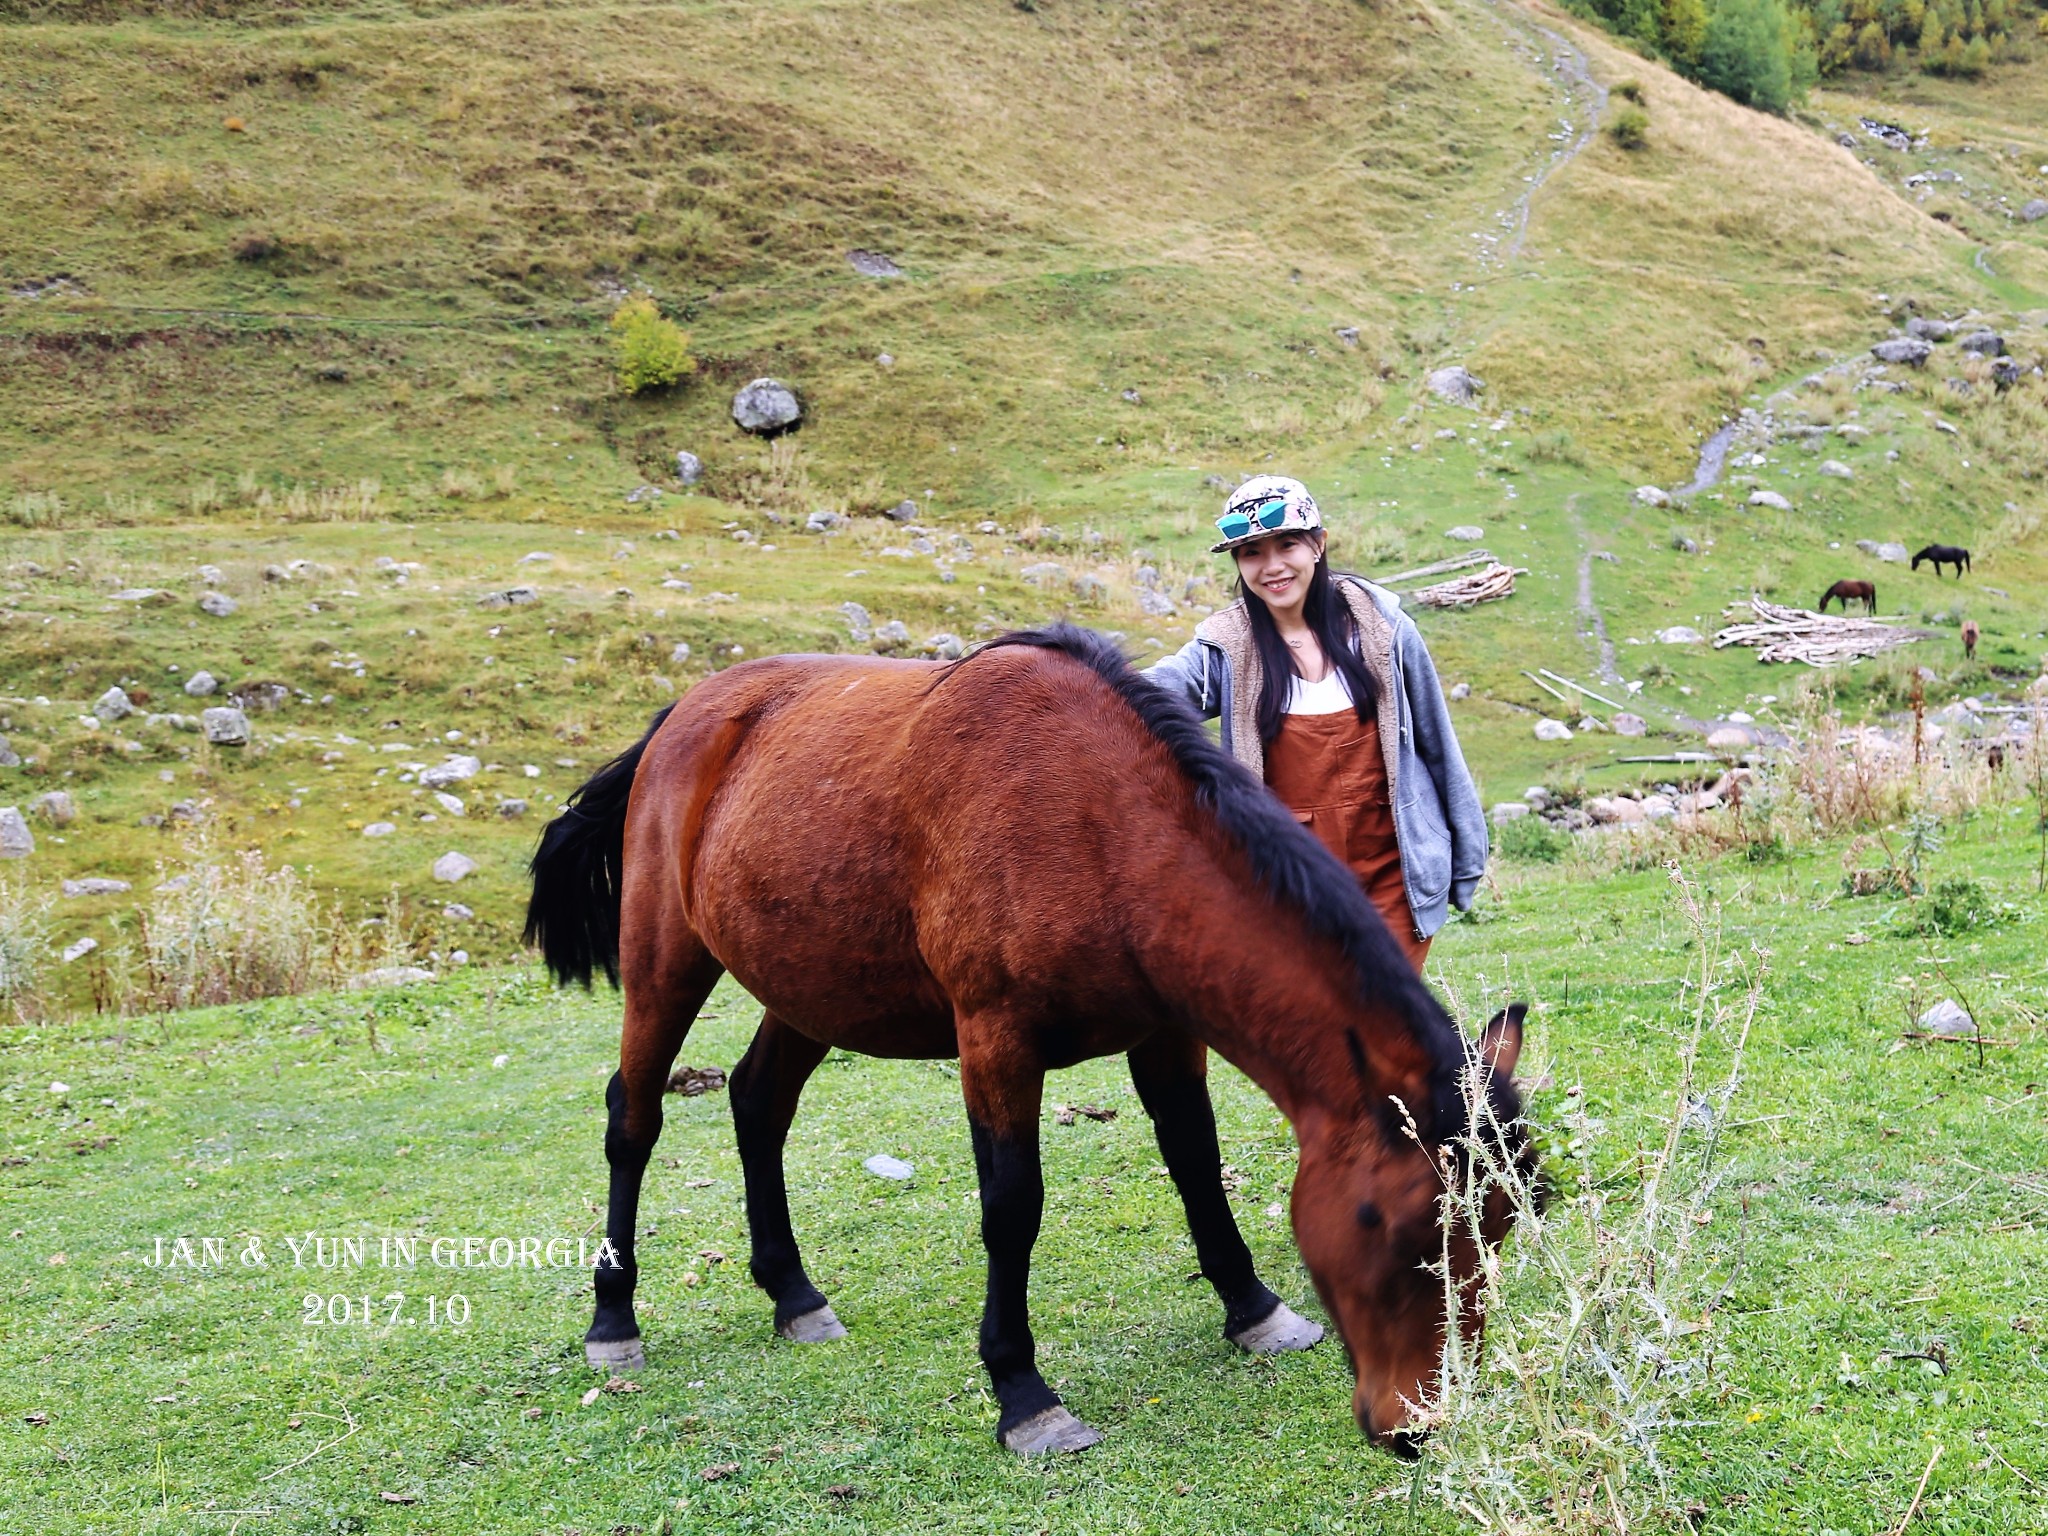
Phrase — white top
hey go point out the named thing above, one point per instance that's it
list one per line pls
(1329, 697)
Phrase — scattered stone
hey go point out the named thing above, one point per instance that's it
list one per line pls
(1910, 350)
(113, 705)
(1948, 1017)
(1837, 469)
(511, 810)
(1456, 384)
(822, 522)
(1588, 723)
(905, 511)
(2005, 372)
(1537, 796)
(1652, 496)
(200, 684)
(857, 621)
(945, 646)
(642, 492)
(9, 758)
(1465, 531)
(1679, 634)
(689, 468)
(95, 885)
(16, 841)
(1728, 738)
(891, 637)
(767, 408)
(1985, 343)
(389, 976)
(225, 726)
(452, 804)
(1156, 604)
(219, 604)
(872, 264)
(143, 595)
(79, 950)
(1659, 807)
(1771, 499)
(884, 360)
(883, 1166)
(451, 867)
(535, 557)
(511, 597)
(55, 807)
(1892, 554)
(1626, 724)
(263, 697)
(1461, 690)
(379, 829)
(1045, 573)
(1684, 545)
(1552, 730)
(276, 573)
(457, 768)
(1508, 810)
(1615, 810)
(2035, 211)
(1132, 397)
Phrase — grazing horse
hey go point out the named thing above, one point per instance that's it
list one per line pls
(1025, 859)
(1944, 554)
(1970, 639)
(1864, 592)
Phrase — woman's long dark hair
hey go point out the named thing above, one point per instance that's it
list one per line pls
(1329, 620)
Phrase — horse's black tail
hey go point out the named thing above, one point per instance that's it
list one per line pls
(573, 914)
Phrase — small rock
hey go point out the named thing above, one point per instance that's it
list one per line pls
(535, 557)
(79, 950)
(389, 976)
(211, 575)
(1652, 496)
(767, 408)
(1837, 469)
(142, 595)
(456, 912)
(1948, 1017)
(884, 360)
(1928, 329)
(1348, 334)
(1892, 554)
(1679, 634)
(689, 468)
(1466, 532)
(1508, 810)
(883, 1166)
(1044, 573)
(643, 493)
(1684, 545)
(822, 522)
(1659, 807)
(892, 636)
(945, 646)
(219, 604)
(1910, 350)
(1457, 384)
(225, 726)
(511, 597)
(113, 705)
(452, 804)
(1552, 730)
(276, 573)
(1537, 796)
(95, 885)
(379, 829)
(1728, 738)
(1763, 498)
(511, 810)
(2035, 211)
(857, 621)
(1626, 724)
(9, 758)
(904, 511)
(1983, 344)
(200, 684)
(872, 264)
(1461, 691)
(457, 768)
(55, 807)
(16, 841)
(451, 867)
(1588, 723)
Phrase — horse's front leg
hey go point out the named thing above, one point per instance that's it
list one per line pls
(1003, 1095)
(1170, 1072)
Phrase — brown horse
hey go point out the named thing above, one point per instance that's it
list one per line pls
(1026, 859)
(1970, 633)
(1864, 592)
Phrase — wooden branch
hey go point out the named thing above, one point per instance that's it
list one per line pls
(1455, 563)
(1546, 687)
(1589, 693)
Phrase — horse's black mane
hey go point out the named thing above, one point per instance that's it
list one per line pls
(1288, 861)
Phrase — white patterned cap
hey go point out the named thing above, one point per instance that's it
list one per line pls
(1263, 506)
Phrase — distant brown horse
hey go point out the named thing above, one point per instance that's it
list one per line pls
(1970, 639)
(1026, 859)
(1944, 554)
(1864, 592)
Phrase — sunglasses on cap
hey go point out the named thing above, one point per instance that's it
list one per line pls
(1268, 514)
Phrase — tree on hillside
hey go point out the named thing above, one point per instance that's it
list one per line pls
(1683, 24)
(1746, 54)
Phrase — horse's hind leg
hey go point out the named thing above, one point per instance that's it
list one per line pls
(667, 974)
(764, 1091)
(1170, 1072)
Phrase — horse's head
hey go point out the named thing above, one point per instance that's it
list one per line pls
(1369, 1224)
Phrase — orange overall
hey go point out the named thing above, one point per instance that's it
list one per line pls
(1328, 770)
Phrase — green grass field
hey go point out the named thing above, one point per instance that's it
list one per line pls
(1877, 1196)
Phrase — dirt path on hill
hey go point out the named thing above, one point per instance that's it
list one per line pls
(1583, 97)
(1591, 625)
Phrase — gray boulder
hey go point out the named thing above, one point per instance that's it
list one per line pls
(857, 621)
(1652, 496)
(452, 866)
(1985, 343)
(219, 604)
(767, 408)
(822, 522)
(1948, 1017)
(511, 597)
(2035, 211)
(1679, 634)
(511, 810)
(1763, 498)
(1627, 724)
(1508, 810)
(95, 885)
(689, 468)
(1930, 330)
(56, 807)
(1684, 545)
(113, 705)
(1046, 573)
(1910, 350)
(1892, 554)
(1553, 730)
(16, 841)
(2005, 372)
(905, 511)
(225, 726)
(945, 645)
(200, 684)
(457, 768)
(872, 264)
(1456, 384)
(1837, 469)
(9, 758)
(891, 637)
(1467, 532)
(379, 829)
(681, 653)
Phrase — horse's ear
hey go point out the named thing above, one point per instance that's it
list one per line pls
(1501, 1042)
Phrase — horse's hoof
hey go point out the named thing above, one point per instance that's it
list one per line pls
(1051, 1429)
(816, 1327)
(1279, 1331)
(615, 1355)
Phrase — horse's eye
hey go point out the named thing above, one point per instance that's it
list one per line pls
(1369, 1215)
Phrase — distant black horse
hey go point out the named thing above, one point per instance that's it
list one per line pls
(1944, 554)
(1864, 592)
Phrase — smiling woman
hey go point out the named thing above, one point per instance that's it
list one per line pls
(1358, 741)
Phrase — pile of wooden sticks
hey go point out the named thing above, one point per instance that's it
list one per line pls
(1798, 634)
(1484, 586)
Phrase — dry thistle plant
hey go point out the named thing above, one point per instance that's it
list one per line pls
(1600, 1307)
(228, 928)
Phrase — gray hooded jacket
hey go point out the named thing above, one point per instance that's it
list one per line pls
(1438, 823)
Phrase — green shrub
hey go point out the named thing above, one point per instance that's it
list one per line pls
(1532, 840)
(1630, 90)
(1630, 128)
(654, 353)
(1747, 54)
(1957, 905)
